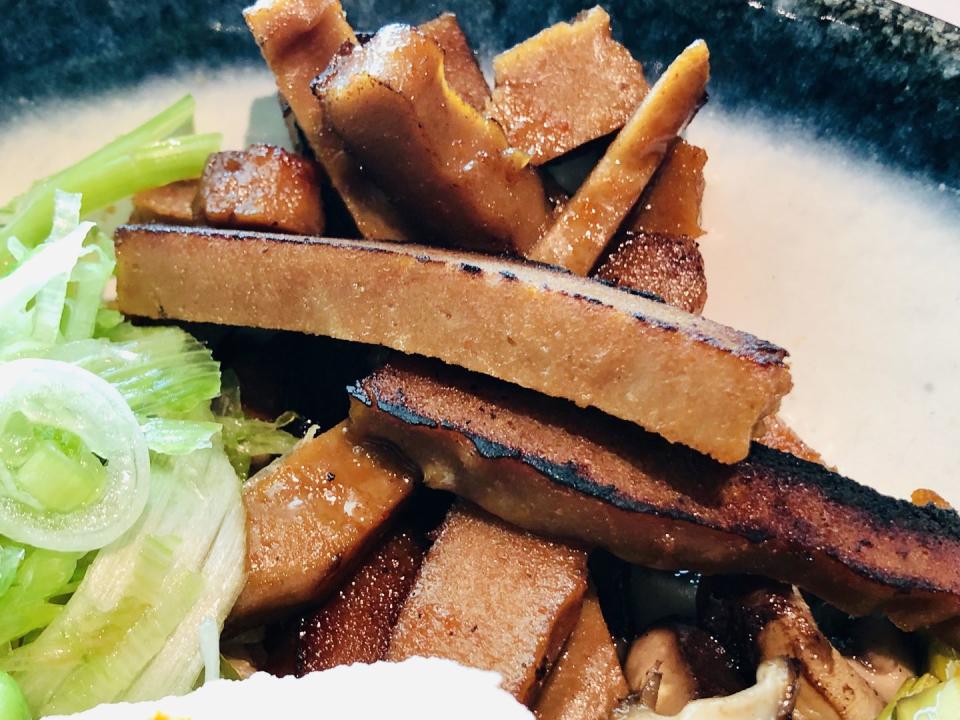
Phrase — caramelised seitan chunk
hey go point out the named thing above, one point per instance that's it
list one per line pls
(565, 86)
(448, 168)
(298, 39)
(355, 625)
(170, 204)
(600, 205)
(672, 201)
(554, 469)
(460, 65)
(668, 266)
(778, 435)
(261, 188)
(310, 515)
(587, 682)
(680, 375)
(493, 597)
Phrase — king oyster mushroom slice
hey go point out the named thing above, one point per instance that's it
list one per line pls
(772, 698)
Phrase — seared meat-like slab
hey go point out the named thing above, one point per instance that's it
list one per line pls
(549, 467)
(460, 65)
(682, 376)
(493, 597)
(309, 516)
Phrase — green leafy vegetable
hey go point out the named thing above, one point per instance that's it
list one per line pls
(13, 705)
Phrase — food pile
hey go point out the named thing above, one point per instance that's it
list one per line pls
(522, 447)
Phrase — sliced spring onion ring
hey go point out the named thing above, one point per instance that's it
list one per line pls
(58, 395)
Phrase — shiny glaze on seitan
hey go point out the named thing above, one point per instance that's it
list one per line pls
(309, 516)
(445, 166)
(587, 682)
(554, 469)
(172, 204)
(493, 597)
(668, 266)
(577, 239)
(298, 39)
(687, 378)
(671, 203)
(261, 188)
(565, 86)
(355, 625)
(460, 66)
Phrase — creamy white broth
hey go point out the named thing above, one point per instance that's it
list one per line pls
(853, 268)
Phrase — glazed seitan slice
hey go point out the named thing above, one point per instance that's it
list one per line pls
(672, 202)
(171, 204)
(547, 466)
(587, 682)
(577, 239)
(261, 188)
(309, 516)
(298, 39)
(493, 597)
(449, 169)
(668, 266)
(355, 625)
(565, 86)
(680, 375)
(460, 65)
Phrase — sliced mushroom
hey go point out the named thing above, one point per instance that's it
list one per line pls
(691, 663)
(772, 698)
(772, 620)
(882, 655)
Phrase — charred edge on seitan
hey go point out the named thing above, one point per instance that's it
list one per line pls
(747, 346)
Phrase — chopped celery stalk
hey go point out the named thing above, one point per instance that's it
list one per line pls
(178, 437)
(943, 660)
(13, 705)
(61, 483)
(85, 291)
(26, 605)
(58, 395)
(246, 438)
(161, 126)
(10, 559)
(139, 168)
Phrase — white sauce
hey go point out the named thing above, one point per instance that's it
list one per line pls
(416, 689)
(851, 267)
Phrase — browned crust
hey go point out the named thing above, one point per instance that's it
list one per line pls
(778, 435)
(668, 266)
(685, 377)
(172, 203)
(494, 597)
(460, 65)
(551, 468)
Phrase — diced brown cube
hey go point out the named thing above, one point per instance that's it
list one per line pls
(262, 188)
(356, 624)
(460, 65)
(565, 86)
(493, 597)
(168, 204)
(601, 204)
(448, 168)
(298, 39)
(587, 681)
(309, 516)
(665, 265)
(672, 201)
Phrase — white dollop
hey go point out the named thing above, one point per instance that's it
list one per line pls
(415, 689)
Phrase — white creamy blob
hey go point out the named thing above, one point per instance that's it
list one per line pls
(415, 689)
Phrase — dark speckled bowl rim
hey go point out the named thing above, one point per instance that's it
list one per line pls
(873, 74)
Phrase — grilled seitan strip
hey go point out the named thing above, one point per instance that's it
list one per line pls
(493, 597)
(671, 203)
(687, 378)
(356, 624)
(460, 65)
(668, 266)
(565, 86)
(448, 168)
(298, 39)
(587, 682)
(172, 204)
(309, 516)
(551, 468)
(577, 239)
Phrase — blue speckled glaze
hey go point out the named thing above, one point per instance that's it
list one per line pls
(863, 71)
